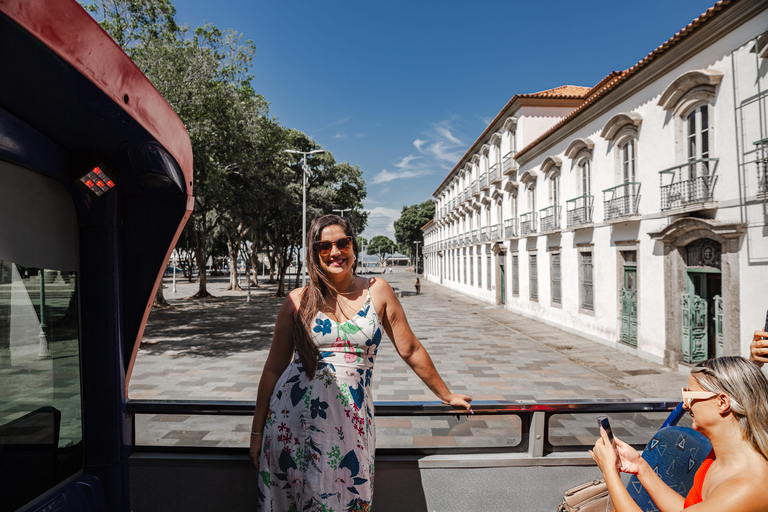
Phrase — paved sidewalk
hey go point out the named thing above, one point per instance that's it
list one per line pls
(215, 349)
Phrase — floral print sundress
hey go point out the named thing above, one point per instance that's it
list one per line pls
(319, 436)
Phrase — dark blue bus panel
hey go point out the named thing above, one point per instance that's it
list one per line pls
(95, 187)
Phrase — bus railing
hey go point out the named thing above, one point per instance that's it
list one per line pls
(541, 429)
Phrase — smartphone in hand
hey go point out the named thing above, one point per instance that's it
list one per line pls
(602, 421)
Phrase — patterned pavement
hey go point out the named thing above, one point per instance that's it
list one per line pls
(215, 349)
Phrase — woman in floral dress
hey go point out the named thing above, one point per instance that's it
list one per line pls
(313, 436)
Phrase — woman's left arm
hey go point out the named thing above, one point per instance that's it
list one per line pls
(410, 348)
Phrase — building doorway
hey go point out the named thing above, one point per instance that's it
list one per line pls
(702, 302)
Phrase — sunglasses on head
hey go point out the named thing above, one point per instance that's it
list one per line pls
(342, 244)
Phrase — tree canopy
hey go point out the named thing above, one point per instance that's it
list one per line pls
(408, 226)
(248, 191)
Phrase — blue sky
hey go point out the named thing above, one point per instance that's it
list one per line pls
(402, 89)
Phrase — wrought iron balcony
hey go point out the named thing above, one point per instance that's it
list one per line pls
(579, 211)
(691, 183)
(550, 218)
(528, 223)
(475, 188)
(483, 181)
(484, 234)
(493, 173)
(508, 164)
(621, 200)
(475, 236)
(495, 233)
(510, 228)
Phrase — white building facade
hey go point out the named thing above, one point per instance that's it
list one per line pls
(633, 212)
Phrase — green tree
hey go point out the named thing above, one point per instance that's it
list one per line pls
(408, 226)
(204, 77)
(382, 246)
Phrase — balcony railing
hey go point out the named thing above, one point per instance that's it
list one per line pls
(508, 165)
(484, 234)
(465, 196)
(510, 228)
(493, 173)
(550, 218)
(475, 236)
(495, 232)
(687, 184)
(621, 200)
(475, 188)
(528, 223)
(579, 210)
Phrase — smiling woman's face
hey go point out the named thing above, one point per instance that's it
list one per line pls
(335, 263)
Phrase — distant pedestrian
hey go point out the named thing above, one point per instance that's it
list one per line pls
(312, 437)
(418, 286)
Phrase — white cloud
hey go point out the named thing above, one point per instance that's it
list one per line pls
(340, 136)
(381, 221)
(405, 162)
(442, 144)
(385, 176)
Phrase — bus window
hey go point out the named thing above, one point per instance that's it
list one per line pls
(41, 435)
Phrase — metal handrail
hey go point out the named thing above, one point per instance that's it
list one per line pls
(579, 210)
(494, 173)
(697, 188)
(550, 218)
(510, 228)
(624, 205)
(528, 223)
(407, 408)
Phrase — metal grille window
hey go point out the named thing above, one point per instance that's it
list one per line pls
(587, 283)
(488, 271)
(479, 270)
(533, 277)
(471, 264)
(515, 275)
(555, 278)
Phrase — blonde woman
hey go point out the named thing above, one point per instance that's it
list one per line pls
(727, 399)
(313, 435)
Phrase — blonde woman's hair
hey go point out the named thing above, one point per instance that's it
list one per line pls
(747, 388)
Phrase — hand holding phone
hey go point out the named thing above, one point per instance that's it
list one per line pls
(602, 421)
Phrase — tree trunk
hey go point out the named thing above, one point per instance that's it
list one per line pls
(272, 260)
(202, 287)
(233, 249)
(254, 277)
(283, 268)
(160, 301)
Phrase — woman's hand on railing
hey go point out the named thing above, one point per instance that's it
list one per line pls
(459, 401)
(758, 349)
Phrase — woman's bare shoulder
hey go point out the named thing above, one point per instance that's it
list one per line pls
(739, 492)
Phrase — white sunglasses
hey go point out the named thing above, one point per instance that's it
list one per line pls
(696, 395)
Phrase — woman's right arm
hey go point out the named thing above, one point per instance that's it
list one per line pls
(630, 461)
(280, 355)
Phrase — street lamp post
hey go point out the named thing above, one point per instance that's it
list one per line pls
(305, 173)
(341, 212)
(417, 255)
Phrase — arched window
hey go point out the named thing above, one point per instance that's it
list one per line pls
(697, 135)
(585, 177)
(627, 159)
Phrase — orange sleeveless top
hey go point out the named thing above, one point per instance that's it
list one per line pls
(694, 496)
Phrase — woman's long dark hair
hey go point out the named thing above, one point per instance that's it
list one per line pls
(317, 290)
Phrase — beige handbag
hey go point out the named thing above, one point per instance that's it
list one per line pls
(589, 497)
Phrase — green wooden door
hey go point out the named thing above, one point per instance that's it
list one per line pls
(695, 315)
(628, 296)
